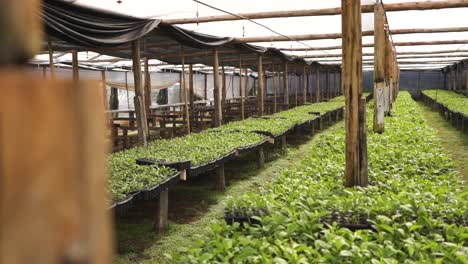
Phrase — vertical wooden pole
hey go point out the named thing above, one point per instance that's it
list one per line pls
(147, 88)
(75, 67)
(183, 86)
(223, 90)
(286, 85)
(379, 68)
(352, 82)
(304, 86)
(104, 89)
(205, 87)
(191, 89)
(51, 59)
(328, 85)
(241, 90)
(337, 84)
(296, 88)
(363, 165)
(162, 211)
(142, 123)
(275, 90)
(388, 71)
(220, 178)
(261, 87)
(216, 90)
(317, 84)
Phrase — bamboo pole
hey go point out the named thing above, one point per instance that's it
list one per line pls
(379, 69)
(286, 85)
(216, 90)
(142, 123)
(261, 87)
(75, 67)
(352, 85)
(321, 12)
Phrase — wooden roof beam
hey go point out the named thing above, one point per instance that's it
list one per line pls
(426, 5)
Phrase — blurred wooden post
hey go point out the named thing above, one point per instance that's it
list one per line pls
(388, 70)
(21, 31)
(241, 89)
(352, 85)
(147, 88)
(261, 87)
(186, 95)
(205, 87)
(51, 59)
(216, 93)
(328, 85)
(296, 88)
(53, 198)
(75, 67)
(337, 85)
(104, 89)
(379, 68)
(162, 211)
(139, 99)
(317, 84)
(286, 85)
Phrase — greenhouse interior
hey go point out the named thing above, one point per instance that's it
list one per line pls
(203, 131)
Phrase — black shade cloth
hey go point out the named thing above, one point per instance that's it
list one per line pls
(92, 28)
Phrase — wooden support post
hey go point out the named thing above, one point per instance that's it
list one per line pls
(352, 82)
(296, 88)
(286, 86)
(304, 86)
(284, 145)
(261, 157)
(75, 67)
(379, 68)
(309, 86)
(363, 165)
(54, 204)
(328, 85)
(147, 88)
(223, 90)
(51, 59)
(205, 87)
(261, 87)
(388, 71)
(337, 85)
(241, 90)
(275, 90)
(220, 178)
(104, 89)
(142, 122)
(191, 91)
(317, 84)
(216, 90)
(162, 212)
(185, 91)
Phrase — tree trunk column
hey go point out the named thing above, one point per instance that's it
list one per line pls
(261, 87)
(379, 69)
(139, 99)
(216, 93)
(352, 85)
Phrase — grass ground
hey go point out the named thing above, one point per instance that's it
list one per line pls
(195, 204)
(454, 141)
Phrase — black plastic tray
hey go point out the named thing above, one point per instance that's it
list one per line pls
(251, 148)
(178, 165)
(209, 166)
(122, 207)
(153, 192)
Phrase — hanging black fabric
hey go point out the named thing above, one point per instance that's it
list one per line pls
(92, 28)
(193, 39)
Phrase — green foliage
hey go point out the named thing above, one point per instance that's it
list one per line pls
(126, 177)
(413, 185)
(454, 101)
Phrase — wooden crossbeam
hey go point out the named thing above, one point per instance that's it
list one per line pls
(370, 45)
(338, 35)
(398, 53)
(321, 12)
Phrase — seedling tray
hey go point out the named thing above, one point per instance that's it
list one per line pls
(153, 192)
(178, 165)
